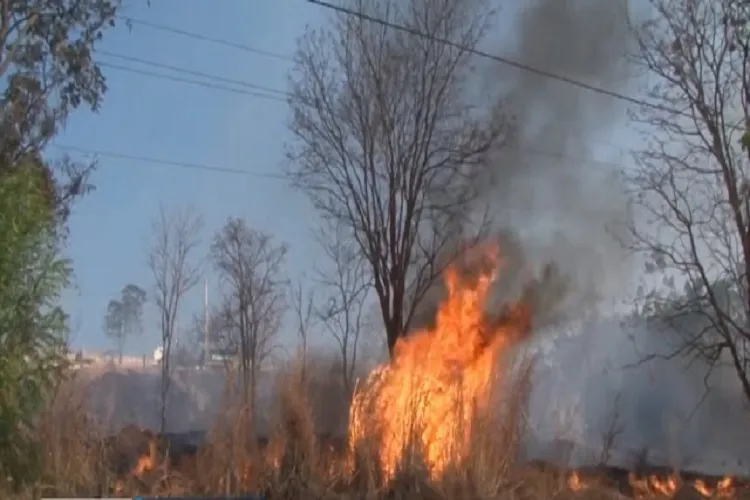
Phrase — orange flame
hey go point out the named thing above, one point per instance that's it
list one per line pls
(439, 378)
(148, 462)
(653, 485)
(650, 486)
(575, 482)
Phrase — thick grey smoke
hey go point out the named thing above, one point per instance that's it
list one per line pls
(561, 205)
(549, 203)
(664, 410)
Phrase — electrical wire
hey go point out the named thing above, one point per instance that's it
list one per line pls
(187, 71)
(167, 162)
(494, 57)
(205, 38)
(480, 53)
(609, 167)
(199, 83)
(242, 87)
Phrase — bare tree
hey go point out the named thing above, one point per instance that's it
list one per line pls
(344, 289)
(387, 141)
(303, 303)
(249, 264)
(691, 182)
(192, 345)
(171, 255)
(613, 432)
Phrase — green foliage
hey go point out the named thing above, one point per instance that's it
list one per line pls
(32, 324)
(48, 69)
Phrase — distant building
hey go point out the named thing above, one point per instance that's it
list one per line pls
(221, 355)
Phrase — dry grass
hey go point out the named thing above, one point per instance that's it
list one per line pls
(294, 462)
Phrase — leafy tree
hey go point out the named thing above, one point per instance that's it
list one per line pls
(124, 317)
(114, 326)
(48, 70)
(33, 275)
(48, 67)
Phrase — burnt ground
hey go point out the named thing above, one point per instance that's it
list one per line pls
(127, 451)
(136, 454)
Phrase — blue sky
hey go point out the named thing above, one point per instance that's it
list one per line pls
(157, 118)
(175, 121)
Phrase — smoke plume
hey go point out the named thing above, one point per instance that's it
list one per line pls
(552, 208)
(548, 188)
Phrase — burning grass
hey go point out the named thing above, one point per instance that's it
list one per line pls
(444, 419)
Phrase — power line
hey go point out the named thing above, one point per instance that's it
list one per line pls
(494, 57)
(199, 83)
(278, 98)
(208, 76)
(201, 74)
(205, 38)
(477, 52)
(406, 29)
(228, 170)
(168, 162)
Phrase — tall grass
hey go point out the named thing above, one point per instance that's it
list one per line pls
(296, 461)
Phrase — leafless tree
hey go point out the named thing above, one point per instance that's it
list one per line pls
(387, 141)
(250, 268)
(690, 184)
(303, 304)
(613, 432)
(344, 289)
(171, 258)
(192, 345)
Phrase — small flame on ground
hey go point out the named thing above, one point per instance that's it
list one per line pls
(667, 487)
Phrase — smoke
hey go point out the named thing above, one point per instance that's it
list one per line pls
(553, 209)
(556, 210)
(561, 205)
(556, 206)
(596, 380)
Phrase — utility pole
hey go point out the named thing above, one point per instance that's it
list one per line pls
(205, 323)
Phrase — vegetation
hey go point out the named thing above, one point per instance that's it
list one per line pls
(389, 146)
(250, 266)
(299, 461)
(394, 153)
(691, 182)
(174, 241)
(33, 274)
(47, 66)
(124, 317)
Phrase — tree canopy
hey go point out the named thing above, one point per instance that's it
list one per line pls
(48, 71)
(33, 275)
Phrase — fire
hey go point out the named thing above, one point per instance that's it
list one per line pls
(575, 483)
(147, 463)
(439, 378)
(724, 489)
(651, 486)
